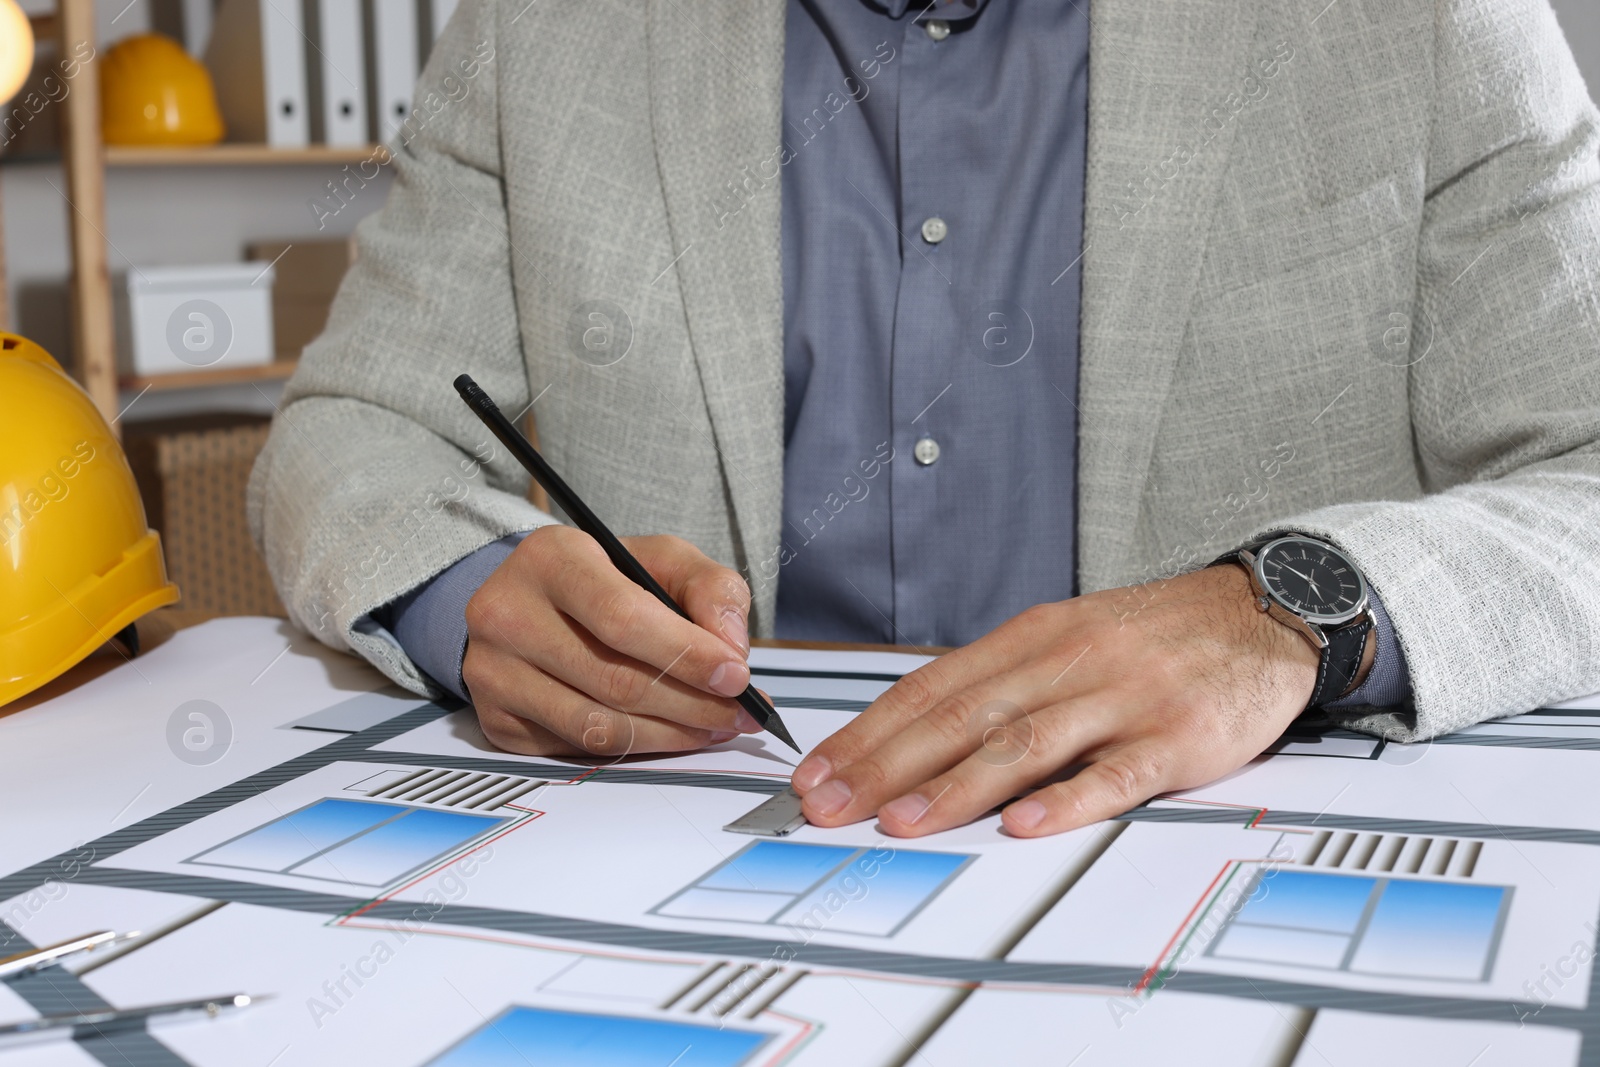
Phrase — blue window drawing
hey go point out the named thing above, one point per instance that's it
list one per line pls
(1369, 925)
(358, 842)
(838, 888)
(520, 1036)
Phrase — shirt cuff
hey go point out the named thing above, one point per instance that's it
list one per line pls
(430, 622)
(1389, 681)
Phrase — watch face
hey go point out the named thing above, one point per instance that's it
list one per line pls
(1314, 580)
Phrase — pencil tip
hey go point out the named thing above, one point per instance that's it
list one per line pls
(776, 728)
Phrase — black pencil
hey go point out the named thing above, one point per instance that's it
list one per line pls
(587, 521)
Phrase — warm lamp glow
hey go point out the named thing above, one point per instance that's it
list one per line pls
(16, 49)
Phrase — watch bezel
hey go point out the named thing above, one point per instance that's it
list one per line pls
(1257, 565)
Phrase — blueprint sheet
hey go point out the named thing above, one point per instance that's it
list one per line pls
(277, 820)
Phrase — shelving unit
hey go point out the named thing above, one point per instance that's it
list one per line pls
(235, 155)
(85, 159)
(275, 371)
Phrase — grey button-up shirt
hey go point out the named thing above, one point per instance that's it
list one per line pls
(932, 222)
(933, 192)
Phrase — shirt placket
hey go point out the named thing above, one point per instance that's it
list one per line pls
(925, 321)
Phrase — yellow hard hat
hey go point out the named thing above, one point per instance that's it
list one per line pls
(77, 562)
(152, 92)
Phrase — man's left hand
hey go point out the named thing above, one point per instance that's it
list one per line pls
(1142, 690)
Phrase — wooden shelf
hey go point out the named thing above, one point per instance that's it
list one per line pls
(240, 155)
(203, 378)
(85, 158)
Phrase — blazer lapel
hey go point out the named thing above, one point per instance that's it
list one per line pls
(716, 104)
(1160, 128)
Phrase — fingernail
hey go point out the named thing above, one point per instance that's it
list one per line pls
(719, 736)
(908, 809)
(1026, 813)
(735, 629)
(746, 723)
(813, 770)
(729, 679)
(830, 797)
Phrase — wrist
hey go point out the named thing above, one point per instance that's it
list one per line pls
(1293, 662)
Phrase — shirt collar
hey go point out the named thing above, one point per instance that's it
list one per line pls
(948, 10)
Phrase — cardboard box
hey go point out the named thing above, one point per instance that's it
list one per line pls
(308, 276)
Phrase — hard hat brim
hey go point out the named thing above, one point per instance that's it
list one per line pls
(86, 617)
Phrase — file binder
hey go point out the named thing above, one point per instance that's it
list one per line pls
(336, 71)
(257, 60)
(392, 51)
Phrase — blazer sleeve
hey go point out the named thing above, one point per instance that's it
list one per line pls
(376, 476)
(1492, 580)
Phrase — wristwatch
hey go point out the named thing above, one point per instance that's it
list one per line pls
(1314, 589)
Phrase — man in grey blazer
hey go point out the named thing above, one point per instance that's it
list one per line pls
(979, 324)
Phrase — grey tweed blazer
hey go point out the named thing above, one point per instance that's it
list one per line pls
(1340, 275)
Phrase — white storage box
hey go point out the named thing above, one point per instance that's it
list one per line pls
(189, 318)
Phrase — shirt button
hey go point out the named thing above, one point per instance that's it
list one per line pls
(937, 29)
(934, 230)
(926, 451)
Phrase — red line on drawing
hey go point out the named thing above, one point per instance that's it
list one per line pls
(379, 924)
(807, 1027)
(1145, 979)
(710, 770)
(1253, 824)
(590, 773)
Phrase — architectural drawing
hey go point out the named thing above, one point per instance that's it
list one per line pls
(438, 905)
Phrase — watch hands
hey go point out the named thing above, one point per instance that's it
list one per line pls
(1312, 582)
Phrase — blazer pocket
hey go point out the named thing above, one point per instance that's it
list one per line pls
(1236, 258)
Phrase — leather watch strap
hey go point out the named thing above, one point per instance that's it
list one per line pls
(1341, 660)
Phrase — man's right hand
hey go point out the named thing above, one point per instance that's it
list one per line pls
(567, 656)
